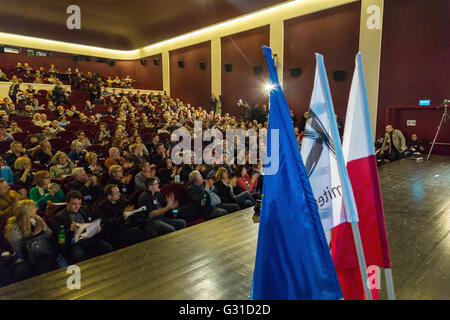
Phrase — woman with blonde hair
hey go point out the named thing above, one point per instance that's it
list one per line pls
(44, 191)
(92, 166)
(26, 224)
(62, 165)
(224, 188)
(36, 118)
(22, 172)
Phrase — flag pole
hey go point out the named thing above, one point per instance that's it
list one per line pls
(361, 259)
(349, 199)
(389, 284)
(387, 271)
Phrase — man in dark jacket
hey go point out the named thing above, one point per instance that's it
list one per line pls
(206, 200)
(70, 219)
(88, 186)
(160, 210)
(117, 228)
(159, 155)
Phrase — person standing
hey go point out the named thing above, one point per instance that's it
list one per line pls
(213, 102)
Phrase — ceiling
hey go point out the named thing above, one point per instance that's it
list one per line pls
(122, 25)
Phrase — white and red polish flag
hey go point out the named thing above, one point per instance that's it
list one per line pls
(359, 154)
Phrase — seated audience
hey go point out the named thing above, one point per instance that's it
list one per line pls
(394, 144)
(56, 127)
(4, 136)
(43, 122)
(81, 138)
(87, 185)
(23, 174)
(6, 172)
(44, 154)
(224, 189)
(61, 165)
(116, 177)
(243, 180)
(16, 151)
(118, 229)
(415, 145)
(160, 209)
(45, 134)
(206, 201)
(116, 159)
(147, 171)
(9, 198)
(69, 220)
(103, 136)
(157, 156)
(24, 225)
(137, 155)
(14, 128)
(91, 165)
(44, 191)
(77, 153)
(167, 172)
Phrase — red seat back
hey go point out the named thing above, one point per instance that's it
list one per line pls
(178, 191)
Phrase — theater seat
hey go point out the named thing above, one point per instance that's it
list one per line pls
(4, 146)
(51, 211)
(187, 210)
(134, 197)
(21, 137)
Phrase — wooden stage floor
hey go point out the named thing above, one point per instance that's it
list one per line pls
(215, 259)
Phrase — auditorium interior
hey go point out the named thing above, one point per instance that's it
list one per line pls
(90, 96)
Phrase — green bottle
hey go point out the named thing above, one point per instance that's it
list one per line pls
(61, 235)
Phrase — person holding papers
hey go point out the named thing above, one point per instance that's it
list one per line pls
(74, 248)
(158, 207)
(118, 228)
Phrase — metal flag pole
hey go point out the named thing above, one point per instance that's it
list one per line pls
(444, 118)
(361, 259)
(349, 199)
(389, 284)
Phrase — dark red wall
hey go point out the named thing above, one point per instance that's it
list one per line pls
(335, 34)
(427, 120)
(244, 51)
(148, 77)
(190, 83)
(415, 62)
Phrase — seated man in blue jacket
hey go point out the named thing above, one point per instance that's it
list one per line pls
(69, 219)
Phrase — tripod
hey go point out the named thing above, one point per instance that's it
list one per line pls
(444, 118)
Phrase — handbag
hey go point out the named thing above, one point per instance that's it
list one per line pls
(37, 247)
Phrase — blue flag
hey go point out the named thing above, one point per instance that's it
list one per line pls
(292, 258)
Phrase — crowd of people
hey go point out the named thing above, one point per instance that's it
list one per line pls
(87, 162)
(74, 77)
(110, 162)
(393, 146)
